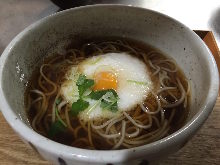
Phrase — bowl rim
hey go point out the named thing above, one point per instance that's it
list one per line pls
(100, 156)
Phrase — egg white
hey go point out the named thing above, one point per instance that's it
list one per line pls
(133, 82)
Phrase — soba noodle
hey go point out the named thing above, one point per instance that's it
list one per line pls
(163, 111)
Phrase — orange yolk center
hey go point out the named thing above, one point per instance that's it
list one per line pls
(105, 80)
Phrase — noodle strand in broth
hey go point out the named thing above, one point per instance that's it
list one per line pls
(164, 110)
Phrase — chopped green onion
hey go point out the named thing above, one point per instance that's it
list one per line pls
(137, 82)
(95, 61)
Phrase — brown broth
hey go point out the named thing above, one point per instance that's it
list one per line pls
(57, 76)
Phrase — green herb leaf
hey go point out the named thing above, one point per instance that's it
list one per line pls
(112, 106)
(109, 101)
(104, 104)
(56, 128)
(84, 84)
(96, 95)
(91, 108)
(114, 93)
(58, 101)
(88, 83)
(78, 106)
(81, 80)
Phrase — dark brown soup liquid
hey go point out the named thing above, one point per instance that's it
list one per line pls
(170, 97)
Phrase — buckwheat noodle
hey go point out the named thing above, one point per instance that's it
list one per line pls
(148, 122)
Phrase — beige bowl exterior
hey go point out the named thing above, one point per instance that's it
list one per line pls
(53, 33)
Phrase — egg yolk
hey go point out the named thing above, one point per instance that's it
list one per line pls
(105, 80)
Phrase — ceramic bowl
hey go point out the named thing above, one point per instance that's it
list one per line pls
(52, 33)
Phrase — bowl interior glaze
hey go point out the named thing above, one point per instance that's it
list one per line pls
(55, 32)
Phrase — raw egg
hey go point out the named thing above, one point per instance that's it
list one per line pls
(125, 74)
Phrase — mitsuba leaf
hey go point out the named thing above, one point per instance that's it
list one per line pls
(108, 98)
(113, 92)
(84, 84)
(111, 106)
(81, 80)
(104, 104)
(88, 83)
(56, 128)
(96, 95)
(114, 107)
(78, 106)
